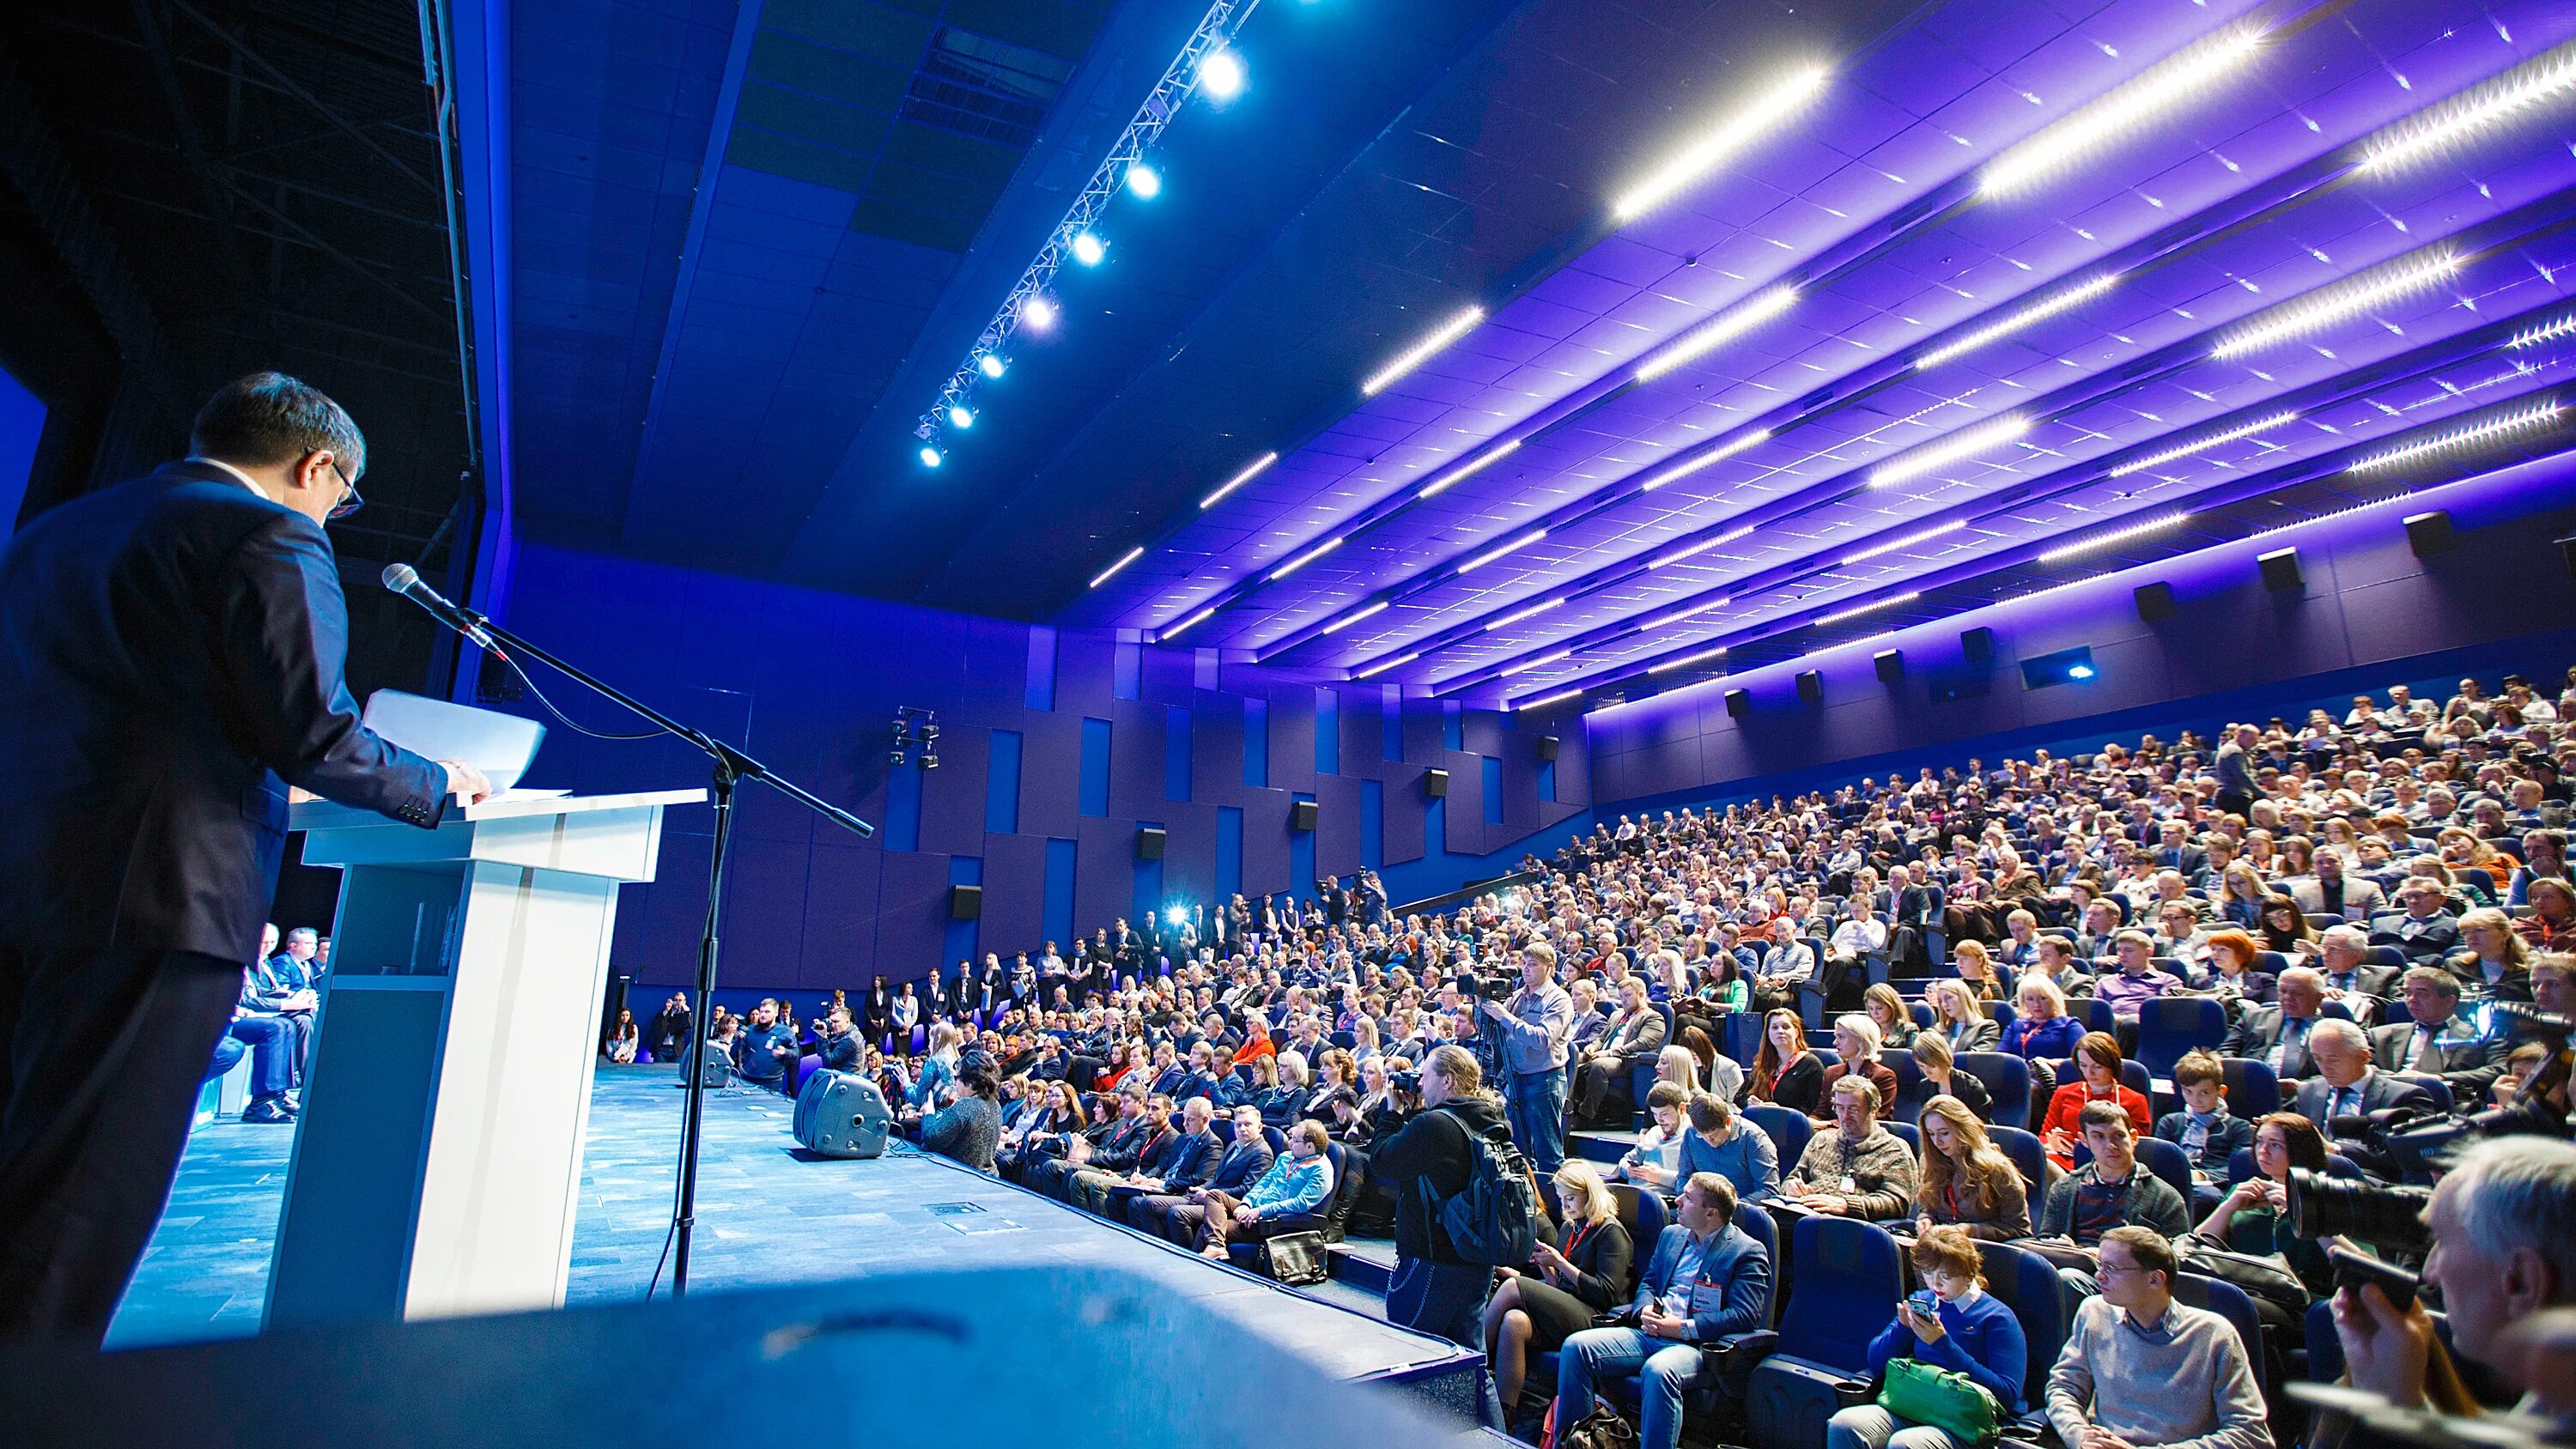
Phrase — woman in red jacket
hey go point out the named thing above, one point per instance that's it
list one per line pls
(2097, 1060)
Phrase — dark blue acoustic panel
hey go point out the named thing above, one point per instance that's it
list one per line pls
(1328, 732)
(1057, 916)
(1002, 783)
(840, 918)
(1292, 738)
(1372, 823)
(1256, 743)
(1229, 851)
(1301, 853)
(1176, 753)
(1040, 690)
(912, 915)
(1050, 774)
(1490, 771)
(1095, 767)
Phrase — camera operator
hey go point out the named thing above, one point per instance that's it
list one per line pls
(1434, 1289)
(1537, 1024)
(2503, 1226)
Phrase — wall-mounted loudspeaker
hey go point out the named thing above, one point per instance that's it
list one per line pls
(1547, 747)
(965, 902)
(2280, 570)
(2155, 601)
(1435, 783)
(1301, 815)
(2430, 533)
(1739, 702)
(1811, 686)
(1978, 644)
(1149, 842)
(1890, 664)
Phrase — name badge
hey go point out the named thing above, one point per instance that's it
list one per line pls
(1850, 1183)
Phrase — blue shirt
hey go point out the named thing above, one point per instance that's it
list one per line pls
(1537, 1030)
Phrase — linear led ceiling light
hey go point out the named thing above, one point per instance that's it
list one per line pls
(1192, 622)
(1026, 304)
(1383, 665)
(1353, 617)
(2328, 305)
(1665, 560)
(1908, 541)
(2201, 445)
(1532, 612)
(2545, 332)
(2080, 547)
(1421, 352)
(1718, 454)
(1544, 700)
(1473, 466)
(1303, 559)
(2549, 78)
(1669, 620)
(1250, 471)
(1731, 133)
(2072, 297)
(1124, 559)
(2481, 431)
(1965, 443)
(1687, 660)
(1859, 609)
(1716, 332)
(2161, 89)
(1541, 662)
(1491, 554)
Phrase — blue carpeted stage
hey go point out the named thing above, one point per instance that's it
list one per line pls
(766, 1218)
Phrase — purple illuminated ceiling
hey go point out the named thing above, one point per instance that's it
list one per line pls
(2235, 205)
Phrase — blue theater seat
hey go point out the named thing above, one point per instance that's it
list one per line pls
(2007, 1080)
(2252, 1090)
(1849, 1276)
(2171, 1027)
(2028, 1284)
(1788, 1128)
(2027, 1154)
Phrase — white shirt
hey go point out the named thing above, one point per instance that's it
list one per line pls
(244, 479)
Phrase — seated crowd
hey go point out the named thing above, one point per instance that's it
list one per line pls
(2362, 917)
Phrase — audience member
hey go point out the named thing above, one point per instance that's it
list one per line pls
(1705, 1283)
(1964, 1330)
(2140, 1370)
(1860, 1169)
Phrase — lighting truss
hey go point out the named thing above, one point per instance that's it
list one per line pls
(1251, 470)
(2224, 435)
(1499, 551)
(2160, 89)
(1734, 322)
(1965, 443)
(1124, 559)
(2080, 547)
(1474, 466)
(2484, 430)
(1216, 29)
(2072, 297)
(1731, 134)
(1422, 351)
(2550, 77)
(1857, 610)
(1719, 454)
(2339, 301)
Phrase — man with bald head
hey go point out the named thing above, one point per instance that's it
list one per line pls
(2348, 1085)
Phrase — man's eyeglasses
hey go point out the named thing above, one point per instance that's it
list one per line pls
(349, 502)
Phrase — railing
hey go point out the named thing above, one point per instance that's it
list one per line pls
(1469, 892)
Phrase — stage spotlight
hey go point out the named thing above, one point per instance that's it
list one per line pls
(931, 457)
(1088, 249)
(895, 758)
(2066, 666)
(1177, 916)
(991, 364)
(1144, 180)
(961, 417)
(1221, 75)
(1038, 314)
(2079, 671)
(930, 762)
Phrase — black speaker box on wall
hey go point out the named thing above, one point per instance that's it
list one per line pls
(1547, 747)
(965, 902)
(1978, 643)
(1811, 686)
(1301, 815)
(1149, 842)
(2280, 570)
(1435, 783)
(2430, 533)
(1890, 664)
(2155, 601)
(1739, 702)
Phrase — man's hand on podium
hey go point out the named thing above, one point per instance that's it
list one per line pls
(466, 783)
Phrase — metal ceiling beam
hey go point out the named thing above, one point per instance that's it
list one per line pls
(192, 145)
(287, 83)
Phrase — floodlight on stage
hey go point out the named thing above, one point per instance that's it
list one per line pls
(1221, 76)
(1144, 181)
(991, 364)
(1088, 249)
(931, 457)
(961, 417)
(1038, 314)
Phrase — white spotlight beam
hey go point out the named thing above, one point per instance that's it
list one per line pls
(2340, 301)
(2162, 89)
(1725, 327)
(2072, 297)
(1940, 453)
(1422, 351)
(1730, 134)
(2460, 120)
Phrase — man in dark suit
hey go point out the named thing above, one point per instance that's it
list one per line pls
(171, 654)
(2347, 1085)
(1183, 1162)
(1246, 1158)
(2433, 1039)
(2277, 1036)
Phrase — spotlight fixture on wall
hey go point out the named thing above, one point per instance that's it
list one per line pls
(916, 737)
(1811, 686)
(2430, 533)
(1739, 703)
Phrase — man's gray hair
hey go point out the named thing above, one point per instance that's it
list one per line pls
(2347, 1032)
(2520, 1192)
(2349, 935)
(305, 933)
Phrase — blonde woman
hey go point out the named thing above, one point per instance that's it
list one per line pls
(1977, 969)
(1959, 1016)
(1967, 1181)
(1579, 1272)
(1894, 1018)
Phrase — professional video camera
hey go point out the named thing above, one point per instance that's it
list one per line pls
(1480, 986)
(2350, 1418)
(2392, 1218)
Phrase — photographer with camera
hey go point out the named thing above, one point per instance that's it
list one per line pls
(2503, 1227)
(1437, 1289)
(1536, 1025)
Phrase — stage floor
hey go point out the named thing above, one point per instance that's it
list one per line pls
(766, 1218)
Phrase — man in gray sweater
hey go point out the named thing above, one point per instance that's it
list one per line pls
(2140, 1370)
(1860, 1169)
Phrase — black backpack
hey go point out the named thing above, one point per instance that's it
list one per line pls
(1492, 1221)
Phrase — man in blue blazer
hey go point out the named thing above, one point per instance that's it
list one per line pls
(172, 655)
(1185, 1161)
(1707, 1282)
(1245, 1159)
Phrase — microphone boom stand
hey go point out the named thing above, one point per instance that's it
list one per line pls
(732, 766)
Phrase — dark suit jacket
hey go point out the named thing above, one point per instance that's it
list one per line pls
(2256, 1033)
(2380, 1090)
(1727, 1295)
(170, 661)
(1186, 1160)
(2468, 1063)
(1241, 1165)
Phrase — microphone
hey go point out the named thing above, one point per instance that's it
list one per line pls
(405, 580)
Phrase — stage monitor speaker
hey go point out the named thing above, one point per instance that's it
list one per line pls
(1301, 815)
(1739, 702)
(1978, 643)
(1547, 747)
(2280, 570)
(2155, 601)
(1149, 842)
(1811, 686)
(1890, 664)
(965, 902)
(1435, 783)
(2430, 533)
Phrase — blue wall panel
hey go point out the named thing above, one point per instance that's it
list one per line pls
(1015, 894)
(1229, 851)
(840, 918)
(1328, 732)
(1050, 774)
(901, 828)
(1490, 776)
(1057, 917)
(1176, 753)
(958, 943)
(1002, 783)
(1256, 744)
(1301, 855)
(1096, 750)
(1372, 823)
(1040, 691)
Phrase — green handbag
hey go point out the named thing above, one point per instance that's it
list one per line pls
(1945, 1399)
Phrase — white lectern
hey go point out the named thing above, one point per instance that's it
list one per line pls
(438, 1162)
